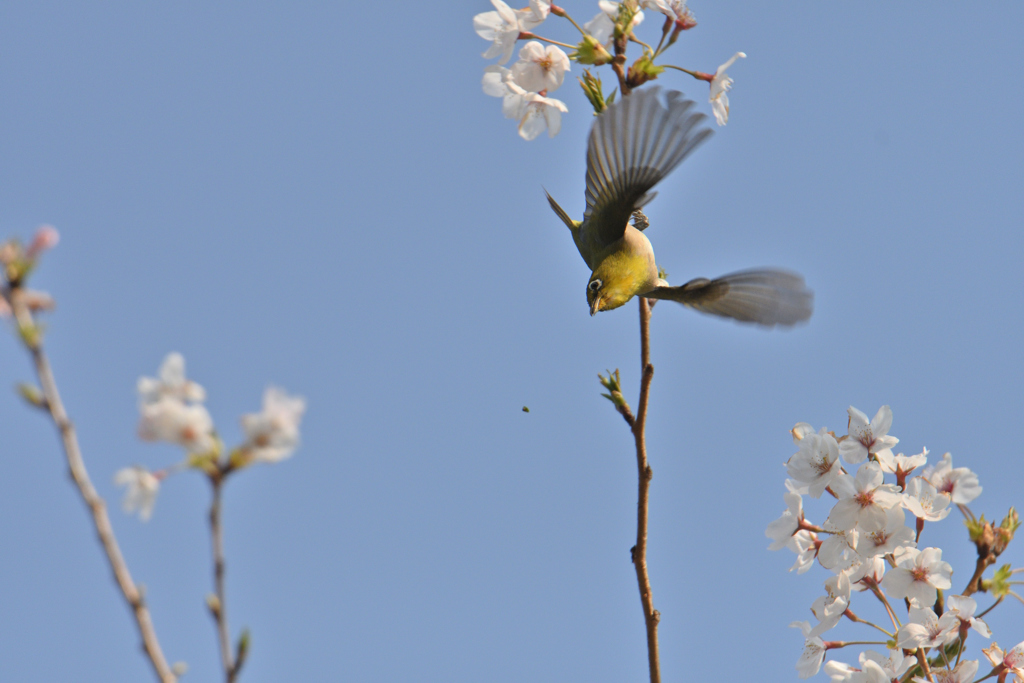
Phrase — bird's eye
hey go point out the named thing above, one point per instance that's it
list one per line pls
(594, 285)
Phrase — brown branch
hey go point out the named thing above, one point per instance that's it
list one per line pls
(983, 563)
(618, 66)
(97, 506)
(639, 553)
(218, 607)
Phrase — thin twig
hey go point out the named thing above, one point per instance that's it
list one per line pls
(97, 506)
(219, 610)
(651, 615)
(990, 607)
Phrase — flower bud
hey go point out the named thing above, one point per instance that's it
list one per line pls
(589, 51)
(32, 395)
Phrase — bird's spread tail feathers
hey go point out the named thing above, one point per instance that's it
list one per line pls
(573, 225)
(765, 297)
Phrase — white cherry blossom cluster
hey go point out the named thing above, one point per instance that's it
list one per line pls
(171, 410)
(525, 88)
(871, 542)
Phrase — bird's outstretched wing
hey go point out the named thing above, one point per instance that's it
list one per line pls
(765, 297)
(633, 144)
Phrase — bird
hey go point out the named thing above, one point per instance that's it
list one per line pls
(633, 145)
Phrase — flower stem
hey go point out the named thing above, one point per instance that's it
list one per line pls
(572, 21)
(636, 40)
(525, 35)
(97, 506)
(854, 618)
(991, 607)
(888, 608)
(219, 612)
(699, 75)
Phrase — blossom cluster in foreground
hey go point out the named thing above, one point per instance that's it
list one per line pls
(526, 86)
(871, 542)
(171, 410)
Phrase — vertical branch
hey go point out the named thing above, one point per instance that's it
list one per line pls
(651, 615)
(97, 506)
(218, 607)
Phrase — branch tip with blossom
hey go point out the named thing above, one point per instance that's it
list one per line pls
(870, 549)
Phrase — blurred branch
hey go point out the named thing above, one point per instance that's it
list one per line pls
(97, 507)
(218, 605)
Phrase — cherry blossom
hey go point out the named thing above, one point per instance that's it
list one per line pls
(602, 26)
(720, 85)
(963, 672)
(872, 672)
(904, 464)
(866, 572)
(803, 543)
(541, 113)
(924, 501)
(540, 68)
(961, 483)
(800, 430)
(273, 434)
(534, 15)
(1010, 662)
(965, 607)
(785, 526)
(924, 629)
(863, 500)
(917, 575)
(816, 464)
(814, 651)
(865, 437)
(171, 383)
(829, 608)
(895, 534)
(837, 552)
(894, 665)
(533, 111)
(170, 420)
(141, 489)
(676, 10)
(502, 27)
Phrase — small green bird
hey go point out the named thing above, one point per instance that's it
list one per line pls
(633, 144)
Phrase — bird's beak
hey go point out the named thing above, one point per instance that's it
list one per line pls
(595, 306)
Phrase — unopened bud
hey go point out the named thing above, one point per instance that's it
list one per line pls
(31, 334)
(643, 70)
(37, 301)
(999, 585)
(32, 395)
(179, 669)
(242, 649)
(9, 252)
(591, 85)
(46, 237)
(614, 387)
(589, 51)
(213, 604)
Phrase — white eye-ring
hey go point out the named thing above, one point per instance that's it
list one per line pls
(595, 285)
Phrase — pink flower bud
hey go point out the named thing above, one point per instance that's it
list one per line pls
(46, 238)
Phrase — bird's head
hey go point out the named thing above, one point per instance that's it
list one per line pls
(604, 295)
(620, 276)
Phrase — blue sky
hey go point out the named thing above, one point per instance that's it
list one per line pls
(321, 197)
